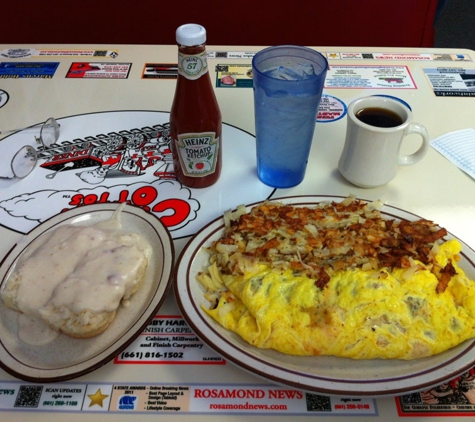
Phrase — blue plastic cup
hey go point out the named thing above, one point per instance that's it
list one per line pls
(287, 93)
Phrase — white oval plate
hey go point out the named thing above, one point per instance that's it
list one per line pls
(324, 374)
(66, 357)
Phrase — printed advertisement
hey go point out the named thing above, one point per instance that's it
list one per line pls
(368, 77)
(44, 70)
(452, 81)
(338, 55)
(160, 71)
(168, 340)
(330, 109)
(230, 54)
(399, 56)
(453, 398)
(15, 53)
(249, 399)
(234, 76)
(92, 70)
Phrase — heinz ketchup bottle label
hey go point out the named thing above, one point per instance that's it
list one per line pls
(195, 117)
(198, 153)
(192, 66)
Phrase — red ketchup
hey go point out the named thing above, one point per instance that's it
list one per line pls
(195, 118)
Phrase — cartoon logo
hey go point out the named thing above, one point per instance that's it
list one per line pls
(123, 156)
(15, 53)
(127, 402)
(113, 155)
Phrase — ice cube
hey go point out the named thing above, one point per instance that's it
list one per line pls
(298, 72)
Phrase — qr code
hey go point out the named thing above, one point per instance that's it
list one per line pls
(316, 403)
(28, 396)
(414, 398)
(100, 53)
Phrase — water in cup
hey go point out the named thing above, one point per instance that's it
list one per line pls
(288, 83)
(297, 114)
(298, 72)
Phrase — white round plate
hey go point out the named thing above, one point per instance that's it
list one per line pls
(324, 374)
(66, 357)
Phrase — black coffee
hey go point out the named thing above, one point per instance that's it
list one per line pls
(379, 117)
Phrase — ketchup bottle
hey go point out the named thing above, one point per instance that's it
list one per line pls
(195, 118)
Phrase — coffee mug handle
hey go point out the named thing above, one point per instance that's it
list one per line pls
(407, 160)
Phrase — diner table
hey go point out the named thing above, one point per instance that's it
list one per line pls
(98, 91)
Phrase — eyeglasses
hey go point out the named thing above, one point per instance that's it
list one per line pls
(25, 159)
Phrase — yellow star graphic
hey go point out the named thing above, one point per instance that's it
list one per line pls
(97, 398)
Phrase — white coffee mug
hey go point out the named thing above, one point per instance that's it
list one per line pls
(371, 154)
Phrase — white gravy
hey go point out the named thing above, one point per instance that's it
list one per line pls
(82, 268)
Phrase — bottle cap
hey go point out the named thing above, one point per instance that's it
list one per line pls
(190, 34)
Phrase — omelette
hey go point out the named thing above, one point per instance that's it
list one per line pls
(338, 279)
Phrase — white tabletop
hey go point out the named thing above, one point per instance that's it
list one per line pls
(434, 189)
